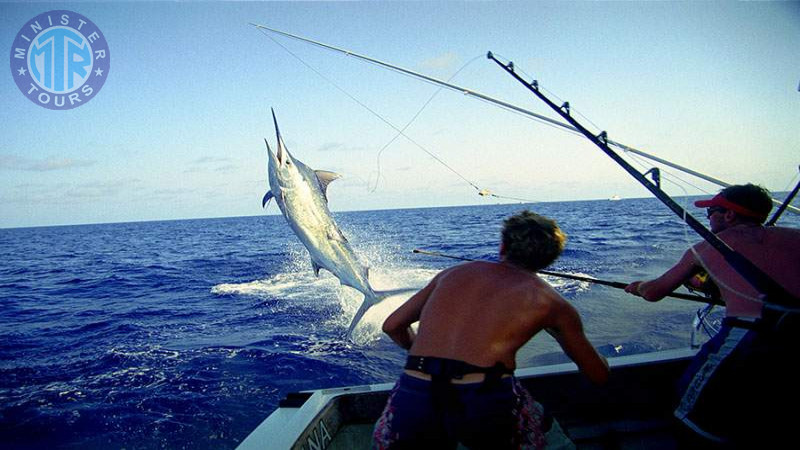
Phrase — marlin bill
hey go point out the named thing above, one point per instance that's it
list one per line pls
(300, 193)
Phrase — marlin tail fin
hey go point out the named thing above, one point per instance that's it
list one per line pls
(370, 301)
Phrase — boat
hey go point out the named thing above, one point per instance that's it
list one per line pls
(614, 198)
(632, 411)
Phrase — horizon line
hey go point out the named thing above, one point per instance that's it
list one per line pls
(134, 221)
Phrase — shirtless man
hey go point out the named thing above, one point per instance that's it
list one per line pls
(458, 383)
(740, 377)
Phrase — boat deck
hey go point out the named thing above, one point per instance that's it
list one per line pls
(632, 411)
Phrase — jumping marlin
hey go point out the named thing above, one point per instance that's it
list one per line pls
(301, 195)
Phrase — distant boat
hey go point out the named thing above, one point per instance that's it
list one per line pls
(614, 198)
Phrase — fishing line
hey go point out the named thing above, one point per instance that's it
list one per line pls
(551, 94)
(686, 235)
(792, 182)
(690, 244)
(668, 176)
(481, 192)
(601, 140)
(331, 82)
(637, 158)
(394, 138)
(508, 106)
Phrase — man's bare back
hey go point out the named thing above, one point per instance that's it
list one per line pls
(473, 318)
(745, 363)
(771, 249)
(482, 313)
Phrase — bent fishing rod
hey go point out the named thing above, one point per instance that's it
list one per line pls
(614, 284)
(773, 293)
(475, 94)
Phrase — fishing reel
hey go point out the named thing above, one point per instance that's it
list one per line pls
(702, 283)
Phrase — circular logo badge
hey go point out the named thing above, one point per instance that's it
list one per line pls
(60, 60)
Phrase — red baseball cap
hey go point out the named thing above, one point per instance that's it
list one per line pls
(719, 200)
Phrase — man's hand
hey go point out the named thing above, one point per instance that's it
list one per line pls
(633, 288)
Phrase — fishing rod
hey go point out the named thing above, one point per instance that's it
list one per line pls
(773, 293)
(475, 94)
(614, 284)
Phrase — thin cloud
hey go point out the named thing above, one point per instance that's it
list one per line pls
(173, 192)
(210, 164)
(13, 162)
(106, 189)
(338, 146)
(330, 146)
(445, 61)
(60, 193)
(228, 168)
(211, 160)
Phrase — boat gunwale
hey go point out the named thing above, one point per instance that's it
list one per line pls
(292, 426)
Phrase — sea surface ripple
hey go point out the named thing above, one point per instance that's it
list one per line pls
(185, 334)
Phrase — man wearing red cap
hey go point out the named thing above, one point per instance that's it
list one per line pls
(733, 391)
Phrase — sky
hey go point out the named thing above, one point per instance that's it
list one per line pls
(177, 130)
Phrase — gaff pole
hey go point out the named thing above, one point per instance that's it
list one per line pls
(569, 276)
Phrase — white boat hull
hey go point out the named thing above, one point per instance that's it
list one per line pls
(635, 405)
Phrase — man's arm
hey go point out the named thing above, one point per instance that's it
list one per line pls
(655, 290)
(398, 324)
(567, 329)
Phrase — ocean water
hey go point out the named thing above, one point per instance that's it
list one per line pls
(185, 334)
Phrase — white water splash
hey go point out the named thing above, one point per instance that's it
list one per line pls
(296, 282)
(369, 328)
(566, 286)
(282, 285)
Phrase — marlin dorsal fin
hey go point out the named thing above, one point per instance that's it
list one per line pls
(325, 178)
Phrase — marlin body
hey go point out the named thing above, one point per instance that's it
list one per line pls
(300, 193)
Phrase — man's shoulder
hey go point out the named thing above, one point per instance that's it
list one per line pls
(470, 266)
(791, 233)
(466, 270)
(775, 234)
(540, 291)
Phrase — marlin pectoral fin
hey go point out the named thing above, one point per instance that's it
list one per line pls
(267, 197)
(325, 178)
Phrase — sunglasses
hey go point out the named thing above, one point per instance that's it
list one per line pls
(714, 209)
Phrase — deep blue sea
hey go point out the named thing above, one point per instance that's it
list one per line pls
(185, 334)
